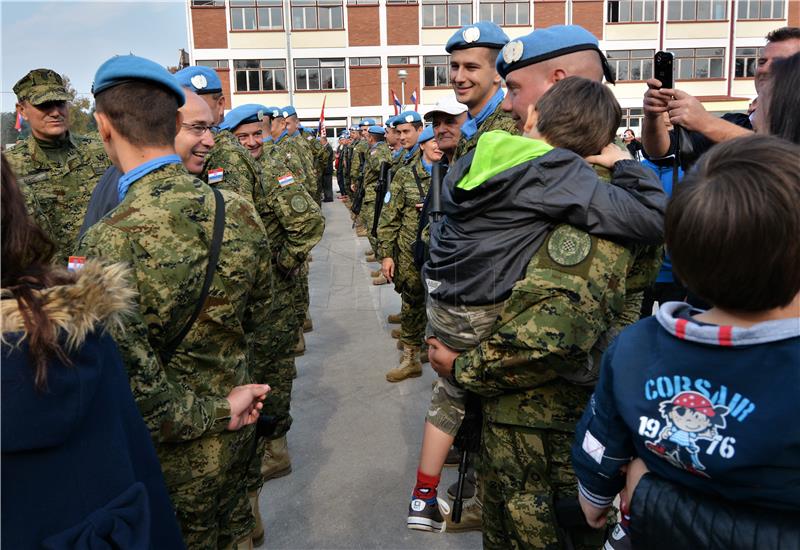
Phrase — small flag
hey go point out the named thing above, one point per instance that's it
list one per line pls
(76, 262)
(321, 127)
(398, 107)
(414, 99)
(215, 175)
(18, 124)
(286, 179)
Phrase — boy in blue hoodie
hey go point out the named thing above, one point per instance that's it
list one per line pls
(709, 399)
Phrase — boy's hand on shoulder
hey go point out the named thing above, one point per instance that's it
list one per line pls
(609, 156)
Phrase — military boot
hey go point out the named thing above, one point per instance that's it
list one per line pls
(361, 231)
(410, 367)
(400, 345)
(369, 252)
(395, 333)
(308, 325)
(376, 273)
(394, 319)
(300, 347)
(257, 536)
(380, 280)
(371, 258)
(471, 517)
(276, 462)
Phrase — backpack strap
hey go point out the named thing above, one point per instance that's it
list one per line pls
(418, 181)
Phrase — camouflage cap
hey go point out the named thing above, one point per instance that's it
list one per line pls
(40, 86)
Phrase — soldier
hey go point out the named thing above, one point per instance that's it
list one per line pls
(378, 154)
(397, 232)
(341, 153)
(473, 51)
(295, 135)
(186, 355)
(228, 166)
(317, 155)
(359, 158)
(446, 118)
(327, 170)
(393, 141)
(578, 290)
(294, 225)
(57, 170)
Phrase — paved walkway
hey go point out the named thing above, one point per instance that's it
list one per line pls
(355, 438)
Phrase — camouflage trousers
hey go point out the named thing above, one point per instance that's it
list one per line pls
(367, 215)
(446, 410)
(213, 511)
(301, 295)
(412, 322)
(524, 471)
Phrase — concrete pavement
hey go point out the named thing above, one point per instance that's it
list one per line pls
(356, 437)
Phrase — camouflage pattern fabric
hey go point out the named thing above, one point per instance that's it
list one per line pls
(303, 148)
(286, 153)
(446, 410)
(360, 148)
(240, 173)
(318, 156)
(372, 170)
(57, 181)
(162, 229)
(498, 120)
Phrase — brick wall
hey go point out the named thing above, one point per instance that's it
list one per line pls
(794, 13)
(365, 86)
(412, 81)
(225, 76)
(363, 26)
(589, 15)
(209, 27)
(547, 13)
(402, 25)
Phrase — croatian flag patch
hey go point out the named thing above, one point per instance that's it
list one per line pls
(286, 179)
(215, 175)
(76, 262)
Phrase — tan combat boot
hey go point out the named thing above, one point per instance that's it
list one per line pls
(380, 280)
(396, 333)
(376, 273)
(361, 231)
(394, 319)
(371, 258)
(410, 367)
(369, 252)
(471, 517)
(308, 325)
(300, 347)
(257, 536)
(276, 462)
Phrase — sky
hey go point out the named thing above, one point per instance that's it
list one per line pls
(75, 37)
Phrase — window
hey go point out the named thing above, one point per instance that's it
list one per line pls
(631, 64)
(260, 75)
(631, 11)
(697, 10)
(208, 3)
(256, 15)
(362, 2)
(402, 60)
(506, 12)
(317, 14)
(446, 13)
(401, 1)
(215, 63)
(319, 74)
(365, 61)
(747, 61)
(698, 63)
(356, 120)
(437, 70)
(760, 9)
(632, 118)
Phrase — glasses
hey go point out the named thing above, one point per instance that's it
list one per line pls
(196, 129)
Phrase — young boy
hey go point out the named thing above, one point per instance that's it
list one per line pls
(706, 398)
(500, 203)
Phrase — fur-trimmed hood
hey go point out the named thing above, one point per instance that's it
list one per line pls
(100, 296)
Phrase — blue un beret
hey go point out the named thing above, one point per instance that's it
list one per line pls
(407, 117)
(243, 114)
(377, 130)
(426, 135)
(289, 111)
(345, 134)
(201, 80)
(483, 34)
(391, 122)
(544, 44)
(366, 122)
(126, 68)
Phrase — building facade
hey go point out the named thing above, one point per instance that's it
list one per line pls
(356, 55)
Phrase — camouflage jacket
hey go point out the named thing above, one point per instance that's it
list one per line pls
(162, 230)
(360, 149)
(498, 120)
(397, 227)
(240, 172)
(304, 147)
(57, 192)
(379, 154)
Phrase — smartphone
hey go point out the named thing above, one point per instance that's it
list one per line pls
(662, 68)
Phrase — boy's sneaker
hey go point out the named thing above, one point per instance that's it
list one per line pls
(424, 515)
(618, 540)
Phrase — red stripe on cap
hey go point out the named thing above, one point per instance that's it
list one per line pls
(680, 328)
(726, 335)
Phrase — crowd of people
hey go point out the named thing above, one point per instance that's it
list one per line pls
(155, 296)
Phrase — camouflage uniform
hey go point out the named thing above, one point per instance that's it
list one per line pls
(241, 174)
(360, 149)
(318, 156)
(303, 148)
(397, 231)
(57, 181)
(578, 291)
(498, 120)
(378, 154)
(162, 229)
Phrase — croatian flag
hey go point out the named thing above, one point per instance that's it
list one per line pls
(398, 107)
(321, 127)
(76, 262)
(18, 124)
(414, 99)
(215, 175)
(286, 179)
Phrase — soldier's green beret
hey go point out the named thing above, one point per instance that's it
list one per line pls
(40, 86)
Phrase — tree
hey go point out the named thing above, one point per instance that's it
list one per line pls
(81, 109)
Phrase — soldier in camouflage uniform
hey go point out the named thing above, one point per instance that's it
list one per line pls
(317, 155)
(577, 293)
(302, 147)
(358, 160)
(193, 392)
(478, 88)
(397, 231)
(56, 170)
(378, 154)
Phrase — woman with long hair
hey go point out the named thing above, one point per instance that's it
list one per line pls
(79, 468)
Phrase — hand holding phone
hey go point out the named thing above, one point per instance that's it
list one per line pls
(662, 69)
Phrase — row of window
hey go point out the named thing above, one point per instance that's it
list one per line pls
(643, 11)
(268, 75)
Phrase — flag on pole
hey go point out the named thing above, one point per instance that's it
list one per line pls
(415, 99)
(18, 124)
(398, 107)
(321, 127)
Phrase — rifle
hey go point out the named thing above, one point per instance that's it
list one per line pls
(431, 208)
(358, 200)
(468, 440)
(384, 180)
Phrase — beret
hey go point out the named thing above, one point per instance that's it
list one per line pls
(407, 117)
(344, 134)
(127, 68)
(366, 122)
(40, 86)
(483, 34)
(243, 114)
(201, 80)
(289, 111)
(274, 112)
(549, 43)
(377, 130)
(426, 135)
(391, 122)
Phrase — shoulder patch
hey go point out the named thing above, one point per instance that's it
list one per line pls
(286, 179)
(298, 203)
(215, 175)
(387, 198)
(568, 246)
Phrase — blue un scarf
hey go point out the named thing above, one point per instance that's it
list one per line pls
(141, 171)
(470, 127)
